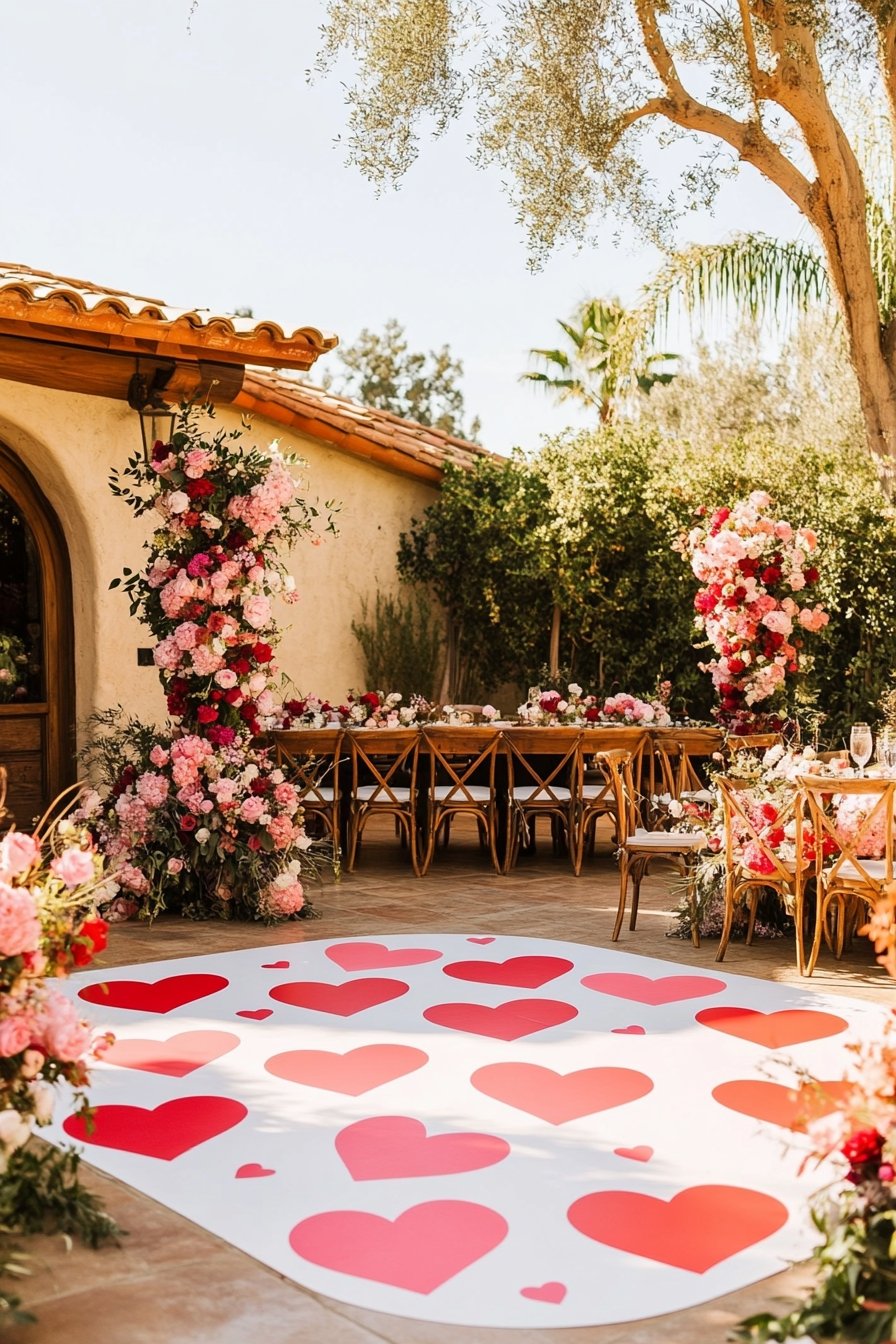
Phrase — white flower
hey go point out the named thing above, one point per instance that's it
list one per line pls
(15, 1130)
(42, 1098)
(210, 523)
(177, 502)
(202, 835)
(574, 689)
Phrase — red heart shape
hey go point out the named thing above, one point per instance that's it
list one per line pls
(166, 1132)
(482, 941)
(422, 1249)
(792, 1108)
(628, 1031)
(252, 1169)
(520, 972)
(176, 1057)
(665, 989)
(546, 1292)
(507, 1022)
(354, 1073)
(355, 996)
(696, 1229)
(274, 965)
(643, 1153)
(558, 1097)
(388, 1147)
(376, 956)
(160, 996)
(789, 1026)
(256, 1014)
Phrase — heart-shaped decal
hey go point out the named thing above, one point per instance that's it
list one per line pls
(354, 1073)
(695, 1230)
(178, 1056)
(560, 1097)
(251, 1170)
(420, 1250)
(507, 1022)
(665, 989)
(792, 1108)
(517, 972)
(643, 1153)
(388, 1147)
(629, 1031)
(483, 942)
(775, 1031)
(377, 957)
(354, 996)
(159, 996)
(275, 965)
(165, 1132)
(546, 1292)
(255, 1014)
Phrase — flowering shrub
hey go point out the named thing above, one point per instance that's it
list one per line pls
(750, 565)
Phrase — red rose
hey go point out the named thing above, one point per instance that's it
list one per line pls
(191, 518)
(248, 710)
(254, 842)
(200, 489)
(749, 567)
(90, 939)
(262, 653)
(736, 666)
(769, 812)
(770, 575)
(188, 822)
(863, 1146)
(810, 574)
(241, 666)
(260, 785)
(207, 713)
(703, 602)
(592, 714)
(215, 696)
(234, 696)
(371, 699)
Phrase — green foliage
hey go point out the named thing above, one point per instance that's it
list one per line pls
(402, 643)
(382, 373)
(41, 1191)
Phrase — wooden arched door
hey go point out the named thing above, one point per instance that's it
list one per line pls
(37, 675)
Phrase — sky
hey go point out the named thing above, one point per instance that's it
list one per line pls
(187, 158)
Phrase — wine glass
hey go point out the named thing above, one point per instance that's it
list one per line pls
(860, 746)
(886, 747)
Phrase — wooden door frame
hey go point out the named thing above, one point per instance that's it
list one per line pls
(58, 641)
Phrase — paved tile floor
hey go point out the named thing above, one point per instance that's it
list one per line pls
(170, 1282)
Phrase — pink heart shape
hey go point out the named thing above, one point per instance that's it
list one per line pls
(481, 941)
(387, 1147)
(790, 1026)
(176, 1057)
(354, 996)
(420, 1250)
(275, 965)
(643, 1153)
(252, 1169)
(559, 1097)
(695, 1230)
(160, 996)
(518, 972)
(665, 989)
(376, 956)
(354, 1073)
(546, 1292)
(166, 1132)
(256, 1014)
(507, 1022)
(628, 1031)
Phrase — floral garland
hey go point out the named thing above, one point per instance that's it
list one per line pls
(551, 707)
(750, 564)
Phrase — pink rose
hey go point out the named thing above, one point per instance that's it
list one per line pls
(63, 1034)
(15, 1035)
(159, 756)
(74, 867)
(225, 678)
(17, 853)
(251, 808)
(175, 865)
(257, 611)
(19, 925)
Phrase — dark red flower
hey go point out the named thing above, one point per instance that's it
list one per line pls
(207, 713)
(90, 939)
(260, 785)
(248, 710)
(371, 699)
(811, 574)
(233, 696)
(771, 574)
(188, 822)
(863, 1146)
(200, 489)
(254, 842)
(736, 666)
(191, 518)
(262, 653)
(220, 735)
(241, 666)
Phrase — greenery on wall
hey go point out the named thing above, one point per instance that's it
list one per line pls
(401, 639)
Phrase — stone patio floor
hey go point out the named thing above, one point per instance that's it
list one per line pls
(170, 1282)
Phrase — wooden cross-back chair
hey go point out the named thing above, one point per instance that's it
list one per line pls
(752, 741)
(6, 818)
(598, 794)
(845, 878)
(544, 768)
(460, 768)
(677, 758)
(784, 876)
(384, 783)
(309, 757)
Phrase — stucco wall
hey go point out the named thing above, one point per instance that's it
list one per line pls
(70, 443)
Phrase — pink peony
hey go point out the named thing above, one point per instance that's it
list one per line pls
(257, 611)
(159, 756)
(284, 900)
(251, 808)
(19, 924)
(15, 1035)
(74, 867)
(61, 1032)
(17, 854)
(186, 636)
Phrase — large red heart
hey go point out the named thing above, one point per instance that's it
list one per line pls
(166, 1132)
(558, 1097)
(789, 1026)
(160, 996)
(422, 1249)
(354, 1073)
(665, 989)
(792, 1108)
(507, 1022)
(696, 1229)
(376, 956)
(177, 1056)
(520, 972)
(355, 996)
(387, 1147)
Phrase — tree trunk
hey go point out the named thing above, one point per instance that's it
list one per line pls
(554, 655)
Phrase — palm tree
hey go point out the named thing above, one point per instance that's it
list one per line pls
(589, 372)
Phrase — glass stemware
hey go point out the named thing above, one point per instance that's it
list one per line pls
(861, 744)
(886, 747)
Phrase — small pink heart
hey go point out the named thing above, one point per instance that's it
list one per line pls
(256, 1014)
(481, 941)
(628, 1031)
(643, 1153)
(545, 1292)
(253, 1169)
(275, 965)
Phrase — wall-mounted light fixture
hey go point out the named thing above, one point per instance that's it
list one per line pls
(156, 416)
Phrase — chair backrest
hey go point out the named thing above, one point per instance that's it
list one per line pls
(616, 768)
(385, 758)
(543, 761)
(676, 753)
(752, 741)
(309, 757)
(459, 758)
(748, 846)
(838, 843)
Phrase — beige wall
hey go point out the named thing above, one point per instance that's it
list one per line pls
(70, 443)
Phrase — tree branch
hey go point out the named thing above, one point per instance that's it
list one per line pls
(659, 53)
(758, 78)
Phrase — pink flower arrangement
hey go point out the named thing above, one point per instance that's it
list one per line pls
(750, 564)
